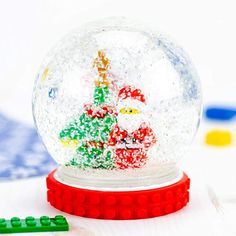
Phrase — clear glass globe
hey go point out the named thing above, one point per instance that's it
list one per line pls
(117, 105)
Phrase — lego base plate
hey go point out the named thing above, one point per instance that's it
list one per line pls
(118, 205)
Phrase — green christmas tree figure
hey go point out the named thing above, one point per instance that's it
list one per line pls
(90, 132)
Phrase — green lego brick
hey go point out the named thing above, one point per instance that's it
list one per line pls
(100, 95)
(30, 224)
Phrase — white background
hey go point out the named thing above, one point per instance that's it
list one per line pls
(206, 30)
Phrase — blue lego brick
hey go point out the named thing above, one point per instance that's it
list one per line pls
(220, 113)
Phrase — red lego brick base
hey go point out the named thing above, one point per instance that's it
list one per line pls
(118, 205)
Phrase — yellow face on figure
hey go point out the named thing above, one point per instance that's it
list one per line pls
(129, 111)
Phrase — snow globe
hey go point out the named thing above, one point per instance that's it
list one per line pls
(117, 105)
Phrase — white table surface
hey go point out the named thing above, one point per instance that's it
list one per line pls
(206, 29)
(202, 216)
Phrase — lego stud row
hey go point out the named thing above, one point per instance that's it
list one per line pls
(31, 224)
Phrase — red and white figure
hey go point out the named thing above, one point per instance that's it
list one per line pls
(99, 112)
(131, 137)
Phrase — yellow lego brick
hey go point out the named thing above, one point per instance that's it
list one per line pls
(69, 143)
(218, 138)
